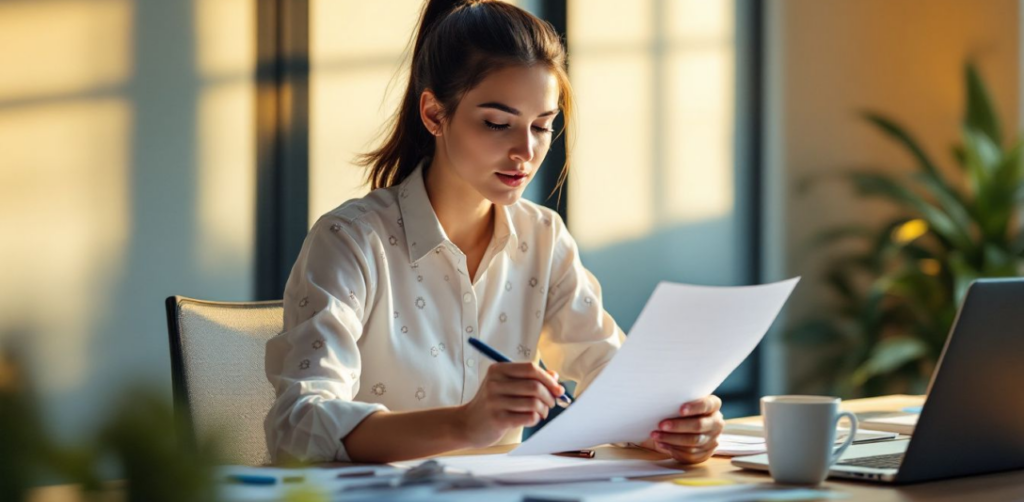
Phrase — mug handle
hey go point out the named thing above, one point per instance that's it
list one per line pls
(849, 439)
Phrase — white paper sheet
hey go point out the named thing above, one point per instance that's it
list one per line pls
(550, 468)
(687, 340)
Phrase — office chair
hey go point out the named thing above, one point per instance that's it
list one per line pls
(217, 372)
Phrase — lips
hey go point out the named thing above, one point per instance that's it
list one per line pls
(512, 178)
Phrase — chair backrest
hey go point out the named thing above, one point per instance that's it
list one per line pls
(217, 371)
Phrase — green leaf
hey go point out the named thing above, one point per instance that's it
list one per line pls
(949, 200)
(930, 175)
(998, 207)
(979, 114)
(888, 356)
(963, 275)
(900, 135)
(940, 222)
(957, 152)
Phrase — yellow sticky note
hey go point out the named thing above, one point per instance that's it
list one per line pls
(703, 482)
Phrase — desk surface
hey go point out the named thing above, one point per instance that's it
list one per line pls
(1004, 486)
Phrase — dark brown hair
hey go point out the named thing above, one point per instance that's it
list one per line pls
(458, 44)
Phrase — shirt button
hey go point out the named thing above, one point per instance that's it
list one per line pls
(471, 362)
(467, 297)
(469, 329)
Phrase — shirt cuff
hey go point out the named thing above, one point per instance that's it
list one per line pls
(312, 430)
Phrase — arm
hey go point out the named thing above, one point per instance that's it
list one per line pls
(387, 436)
(315, 363)
(579, 337)
(511, 395)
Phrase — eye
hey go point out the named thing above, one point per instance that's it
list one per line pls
(496, 127)
(502, 127)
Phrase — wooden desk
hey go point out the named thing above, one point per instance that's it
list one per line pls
(1004, 486)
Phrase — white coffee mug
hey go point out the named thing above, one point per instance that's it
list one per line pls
(801, 434)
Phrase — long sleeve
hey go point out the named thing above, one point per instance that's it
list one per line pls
(315, 363)
(579, 337)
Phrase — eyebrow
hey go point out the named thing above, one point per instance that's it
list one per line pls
(505, 108)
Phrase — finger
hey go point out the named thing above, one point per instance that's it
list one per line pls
(527, 388)
(691, 440)
(692, 425)
(523, 405)
(689, 453)
(703, 406)
(517, 419)
(532, 371)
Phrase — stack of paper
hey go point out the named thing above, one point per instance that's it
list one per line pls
(748, 439)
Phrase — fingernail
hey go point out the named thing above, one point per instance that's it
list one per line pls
(663, 426)
(654, 434)
(685, 410)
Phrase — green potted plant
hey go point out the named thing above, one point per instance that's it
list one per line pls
(897, 286)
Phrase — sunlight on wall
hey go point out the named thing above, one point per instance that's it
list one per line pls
(224, 37)
(64, 214)
(63, 47)
(611, 180)
(700, 92)
(355, 51)
(655, 85)
(64, 174)
(225, 135)
(606, 24)
(227, 177)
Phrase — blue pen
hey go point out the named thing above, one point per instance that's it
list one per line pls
(259, 479)
(563, 400)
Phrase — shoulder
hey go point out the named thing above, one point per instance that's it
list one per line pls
(363, 218)
(543, 230)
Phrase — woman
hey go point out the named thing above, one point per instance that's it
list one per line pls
(374, 364)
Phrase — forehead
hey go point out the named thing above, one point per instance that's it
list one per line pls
(533, 90)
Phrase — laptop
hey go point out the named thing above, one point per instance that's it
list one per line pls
(973, 420)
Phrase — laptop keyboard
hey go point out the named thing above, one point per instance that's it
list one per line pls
(889, 461)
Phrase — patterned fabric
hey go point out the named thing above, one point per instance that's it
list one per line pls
(379, 307)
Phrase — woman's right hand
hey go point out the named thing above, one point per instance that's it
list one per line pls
(511, 395)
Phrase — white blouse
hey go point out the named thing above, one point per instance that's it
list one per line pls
(379, 308)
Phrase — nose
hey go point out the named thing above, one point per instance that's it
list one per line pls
(523, 149)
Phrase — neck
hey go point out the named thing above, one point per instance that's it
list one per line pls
(466, 216)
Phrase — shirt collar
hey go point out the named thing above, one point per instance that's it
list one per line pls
(423, 231)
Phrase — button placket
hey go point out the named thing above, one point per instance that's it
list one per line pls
(468, 328)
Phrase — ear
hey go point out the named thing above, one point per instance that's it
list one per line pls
(431, 112)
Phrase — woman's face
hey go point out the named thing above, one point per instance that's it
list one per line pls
(501, 131)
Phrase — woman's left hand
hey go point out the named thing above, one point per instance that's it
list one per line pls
(692, 437)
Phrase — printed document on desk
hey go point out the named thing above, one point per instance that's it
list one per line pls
(505, 469)
(687, 340)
